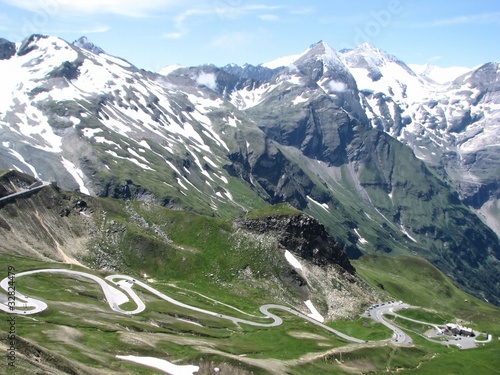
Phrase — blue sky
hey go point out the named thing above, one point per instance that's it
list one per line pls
(155, 33)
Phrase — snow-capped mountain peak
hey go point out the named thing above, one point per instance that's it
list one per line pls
(321, 51)
(84, 43)
(369, 57)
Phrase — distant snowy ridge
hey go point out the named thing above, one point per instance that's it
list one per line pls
(439, 74)
(281, 61)
(168, 69)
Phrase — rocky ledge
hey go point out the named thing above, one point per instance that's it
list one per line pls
(302, 235)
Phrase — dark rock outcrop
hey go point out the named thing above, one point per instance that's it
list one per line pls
(303, 235)
(7, 49)
(29, 44)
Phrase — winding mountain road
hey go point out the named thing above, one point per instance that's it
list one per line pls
(400, 336)
(116, 297)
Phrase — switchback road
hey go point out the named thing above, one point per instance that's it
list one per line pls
(122, 288)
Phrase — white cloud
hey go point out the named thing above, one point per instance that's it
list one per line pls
(337, 86)
(302, 11)
(485, 18)
(269, 17)
(234, 12)
(131, 8)
(96, 30)
(174, 35)
(225, 10)
(180, 21)
(207, 79)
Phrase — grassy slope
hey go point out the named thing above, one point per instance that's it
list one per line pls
(417, 282)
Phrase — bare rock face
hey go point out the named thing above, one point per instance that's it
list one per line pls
(7, 49)
(304, 236)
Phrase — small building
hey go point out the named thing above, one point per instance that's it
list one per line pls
(456, 329)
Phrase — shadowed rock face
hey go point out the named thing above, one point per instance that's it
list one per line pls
(7, 49)
(303, 236)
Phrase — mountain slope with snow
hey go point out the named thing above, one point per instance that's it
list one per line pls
(87, 120)
(454, 127)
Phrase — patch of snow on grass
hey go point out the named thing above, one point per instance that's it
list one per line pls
(361, 239)
(90, 132)
(134, 153)
(135, 161)
(231, 121)
(106, 141)
(171, 165)
(403, 229)
(181, 184)
(209, 161)
(21, 159)
(145, 144)
(161, 364)
(314, 313)
(299, 99)
(75, 120)
(294, 262)
(322, 205)
(222, 178)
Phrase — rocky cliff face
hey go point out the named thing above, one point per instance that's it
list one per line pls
(7, 49)
(302, 235)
